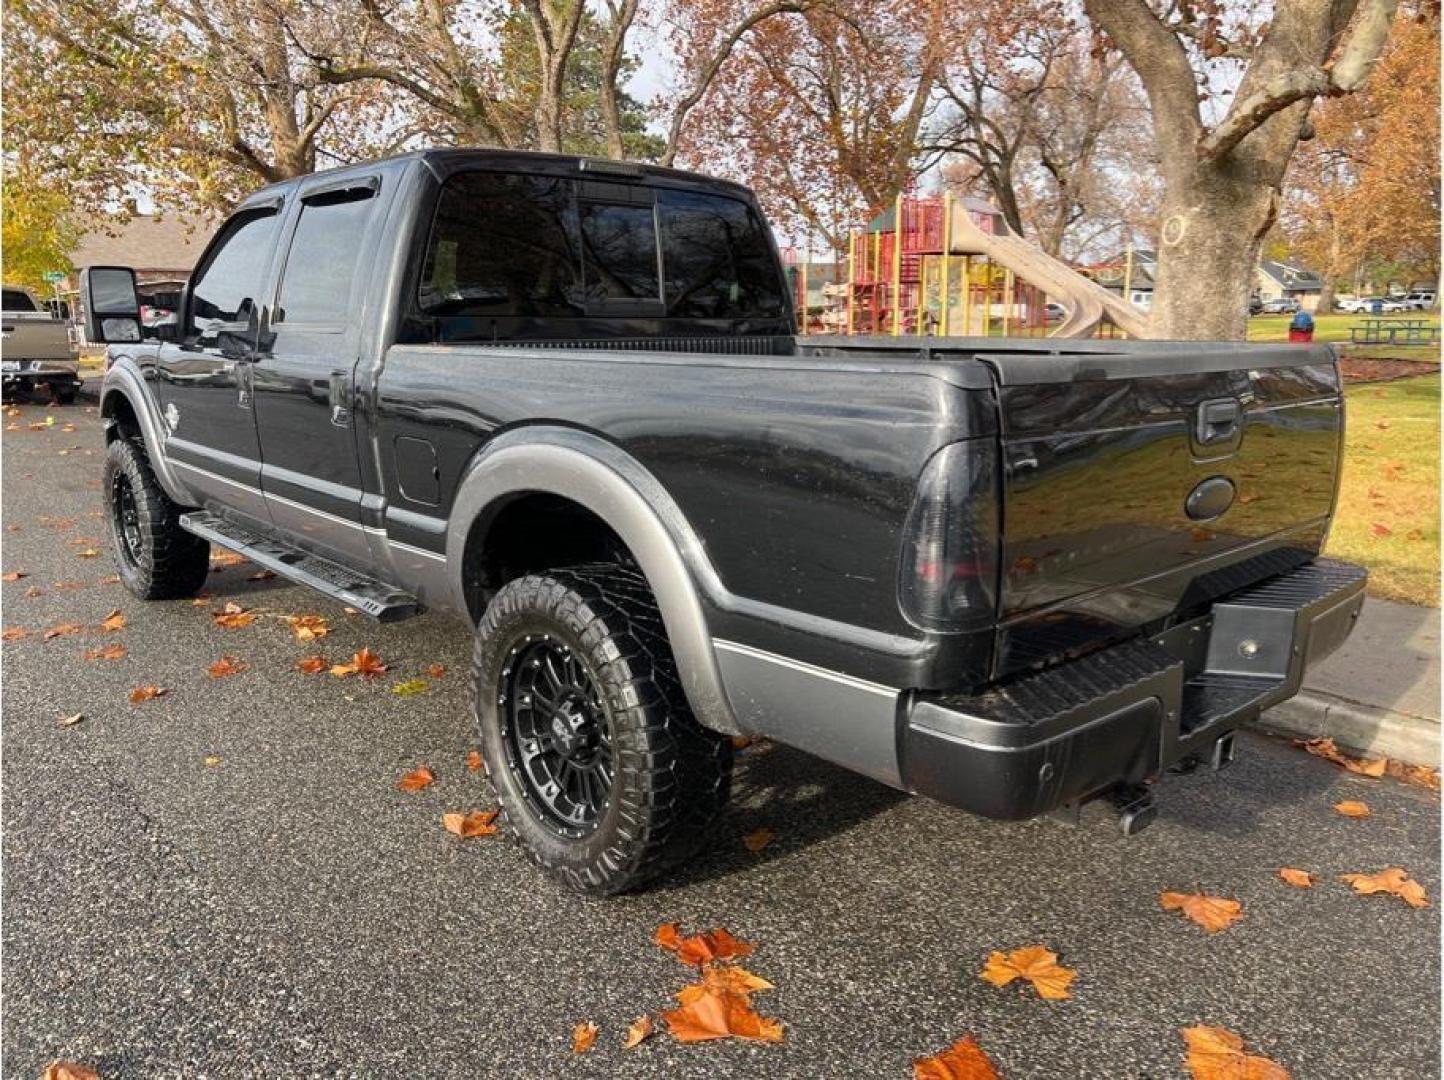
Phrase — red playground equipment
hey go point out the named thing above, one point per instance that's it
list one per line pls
(941, 265)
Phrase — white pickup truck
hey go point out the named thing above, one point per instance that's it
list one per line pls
(36, 347)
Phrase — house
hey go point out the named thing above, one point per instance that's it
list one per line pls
(160, 248)
(1278, 280)
(1136, 271)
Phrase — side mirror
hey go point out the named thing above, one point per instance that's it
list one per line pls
(112, 308)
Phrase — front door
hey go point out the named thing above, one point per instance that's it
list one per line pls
(204, 382)
(304, 379)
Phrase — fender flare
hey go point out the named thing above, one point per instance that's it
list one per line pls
(124, 380)
(598, 475)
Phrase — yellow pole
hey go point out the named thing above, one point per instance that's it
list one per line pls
(897, 235)
(947, 260)
(1007, 300)
(967, 291)
(1128, 274)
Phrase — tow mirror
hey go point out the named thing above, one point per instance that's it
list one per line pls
(112, 308)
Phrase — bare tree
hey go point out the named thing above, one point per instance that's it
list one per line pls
(1222, 182)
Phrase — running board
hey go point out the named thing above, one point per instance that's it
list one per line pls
(367, 595)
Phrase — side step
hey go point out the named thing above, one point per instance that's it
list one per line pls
(377, 599)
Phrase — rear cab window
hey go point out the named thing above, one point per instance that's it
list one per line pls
(506, 251)
(319, 277)
(18, 300)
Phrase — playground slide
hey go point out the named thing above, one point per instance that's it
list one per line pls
(1087, 301)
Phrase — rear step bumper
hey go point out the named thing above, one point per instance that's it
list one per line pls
(1122, 715)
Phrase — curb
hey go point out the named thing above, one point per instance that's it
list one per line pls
(1365, 729)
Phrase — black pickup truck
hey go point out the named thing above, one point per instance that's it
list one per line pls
(563, 399)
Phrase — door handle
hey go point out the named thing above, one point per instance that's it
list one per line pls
(245, 383)
(341, 399)
(1217, 421)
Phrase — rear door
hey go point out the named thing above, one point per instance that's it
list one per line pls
(1142, 486)
(304, 379)
(204, 381)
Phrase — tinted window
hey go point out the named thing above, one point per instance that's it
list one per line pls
(226, 293)
(500, 245)
(619, 251)
(15, 300)
(718, 259)
(316, 286)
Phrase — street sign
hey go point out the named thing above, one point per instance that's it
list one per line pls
(53, 276)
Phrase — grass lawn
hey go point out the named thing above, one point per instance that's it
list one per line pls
(1335, 328)
(1388, 516)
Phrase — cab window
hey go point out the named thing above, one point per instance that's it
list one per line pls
(226, 290)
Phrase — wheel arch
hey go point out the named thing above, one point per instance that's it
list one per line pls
(609, 484)
(128, 408)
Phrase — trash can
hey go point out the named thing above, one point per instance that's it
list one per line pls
(1376, 306)
(1302, 328)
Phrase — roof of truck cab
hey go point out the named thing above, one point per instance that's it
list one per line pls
(453, 159)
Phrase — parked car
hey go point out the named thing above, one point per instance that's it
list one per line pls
(562, 398)
(37, 347)
(1255, 305)
(1280, 305)
(1419, 300)
(1369, 305)
(1054, 312)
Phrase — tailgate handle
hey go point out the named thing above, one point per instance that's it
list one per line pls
(1217, 421)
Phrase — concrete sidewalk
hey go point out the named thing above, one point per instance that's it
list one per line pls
(1379, 694)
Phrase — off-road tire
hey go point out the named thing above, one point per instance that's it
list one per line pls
(671, 777)
(162, 561)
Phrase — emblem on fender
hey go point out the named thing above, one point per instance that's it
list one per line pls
(172, 416)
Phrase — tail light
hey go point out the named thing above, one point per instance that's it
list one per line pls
(949, 573)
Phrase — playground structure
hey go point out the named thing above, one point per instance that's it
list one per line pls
(940, 265)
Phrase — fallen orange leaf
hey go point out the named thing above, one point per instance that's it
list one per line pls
(261, 575)
(365, 663)
(311, 665)
(714, 1015)
(13, 575)
(757, 839)
(68, 1070)
(1422, 775)
(226, 665)
(14, 633)
(107, 652)
(1325, 748)
(1034, 963)
(1215, 1053)
(1353, 808)
(964, 1060)
(639, 1031)
(308, 627)
(416, 779)
(434, 671)
(1300, 879)
(724, 978)
(1392, 880)
(112, 622)
(701, 948)
(583, 1035)
(145, 693)
(473, 760)
(233, 616)
(1213, 913)
(221, 558)
(63, 630)
(476, 823)
(86, 553)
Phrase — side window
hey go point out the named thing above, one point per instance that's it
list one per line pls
(225, 292)
(501, 245)
(15, 300)
(619, 251)
(719, 263)
(321, 264)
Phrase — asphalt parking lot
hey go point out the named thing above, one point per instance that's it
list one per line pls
(225, 881)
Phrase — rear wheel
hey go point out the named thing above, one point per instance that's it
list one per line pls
(603, 774)
(157, 559)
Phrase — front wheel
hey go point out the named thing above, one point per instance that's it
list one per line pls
(157, 559)
(603, 774)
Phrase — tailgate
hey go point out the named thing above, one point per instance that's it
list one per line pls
(26, 335)
(1143, 484)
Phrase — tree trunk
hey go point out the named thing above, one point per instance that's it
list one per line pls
(1326, 297)
(1213, 223)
